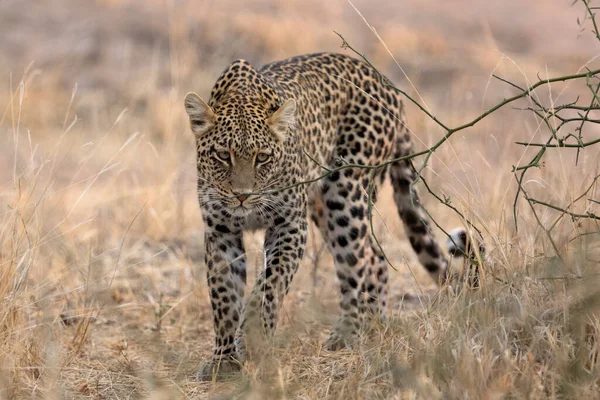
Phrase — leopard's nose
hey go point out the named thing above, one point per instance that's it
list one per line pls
(243, 197)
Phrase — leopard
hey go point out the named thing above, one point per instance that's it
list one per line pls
(308, 138)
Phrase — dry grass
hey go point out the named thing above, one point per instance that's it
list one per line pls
(101, 280)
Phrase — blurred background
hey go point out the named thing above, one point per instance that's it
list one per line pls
(100, 232)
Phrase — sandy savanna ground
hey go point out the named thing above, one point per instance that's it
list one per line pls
(102, 291)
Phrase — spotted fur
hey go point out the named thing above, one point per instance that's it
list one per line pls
(273, 128)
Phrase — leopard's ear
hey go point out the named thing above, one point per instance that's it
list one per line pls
(202, 117)
(283, 119)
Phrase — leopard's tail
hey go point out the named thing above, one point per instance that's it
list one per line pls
(415, 218)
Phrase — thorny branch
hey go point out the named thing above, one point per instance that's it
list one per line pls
(547, 116)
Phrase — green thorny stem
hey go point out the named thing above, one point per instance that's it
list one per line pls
(542, 112)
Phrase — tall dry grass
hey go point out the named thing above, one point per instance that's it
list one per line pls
(102, 291)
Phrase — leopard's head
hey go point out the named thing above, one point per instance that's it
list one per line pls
(240, 139)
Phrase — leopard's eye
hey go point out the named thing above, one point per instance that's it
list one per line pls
(262, 157)
(224, 156)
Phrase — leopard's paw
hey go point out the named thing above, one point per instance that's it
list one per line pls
(221, 370)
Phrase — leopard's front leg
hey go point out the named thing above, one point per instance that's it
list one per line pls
(226, 275)
(285, 242)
